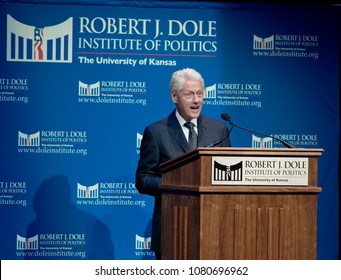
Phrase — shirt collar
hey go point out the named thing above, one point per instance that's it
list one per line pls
(182, 121)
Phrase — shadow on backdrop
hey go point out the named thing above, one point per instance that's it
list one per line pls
(62, 231)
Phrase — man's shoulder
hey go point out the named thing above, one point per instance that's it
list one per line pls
(159, 122)
(208, 119)
(164, 121)
(158, 126)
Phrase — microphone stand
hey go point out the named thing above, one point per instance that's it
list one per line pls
(226, 117)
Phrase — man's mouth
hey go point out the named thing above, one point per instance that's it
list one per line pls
(195, 108)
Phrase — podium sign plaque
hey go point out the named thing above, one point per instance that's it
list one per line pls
(259, 170)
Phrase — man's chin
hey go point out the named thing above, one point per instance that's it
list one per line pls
(195, 115)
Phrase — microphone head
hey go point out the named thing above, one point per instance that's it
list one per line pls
(226, 117)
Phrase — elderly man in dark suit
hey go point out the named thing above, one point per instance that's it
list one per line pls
(173, 136)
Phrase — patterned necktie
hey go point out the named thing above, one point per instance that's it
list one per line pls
(192, 137)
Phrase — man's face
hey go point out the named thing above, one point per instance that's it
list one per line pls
(189, 100)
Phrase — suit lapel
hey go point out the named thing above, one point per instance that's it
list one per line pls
(175, 131)
(202, 127)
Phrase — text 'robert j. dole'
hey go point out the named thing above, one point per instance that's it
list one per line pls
(145, 27)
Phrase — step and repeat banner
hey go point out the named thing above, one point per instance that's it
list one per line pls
(79, 82)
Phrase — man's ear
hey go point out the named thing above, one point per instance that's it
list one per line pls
(174, 97)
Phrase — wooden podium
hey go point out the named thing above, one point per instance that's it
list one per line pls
(240, 203)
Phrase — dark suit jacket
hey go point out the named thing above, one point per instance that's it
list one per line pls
(162, 141)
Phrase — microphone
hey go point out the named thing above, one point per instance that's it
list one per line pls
(227, 118)
(215, 143)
